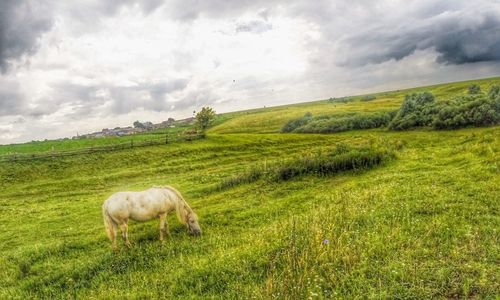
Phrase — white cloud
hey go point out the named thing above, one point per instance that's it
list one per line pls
(93, 65)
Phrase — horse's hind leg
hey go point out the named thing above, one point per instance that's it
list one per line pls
(163, 226)
(124, 229)
(112, 235)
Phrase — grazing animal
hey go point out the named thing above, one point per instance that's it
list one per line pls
(152, 203)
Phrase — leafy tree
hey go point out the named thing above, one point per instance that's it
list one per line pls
(494, 92)
(204, 118)
(416, 110)
(138, 124)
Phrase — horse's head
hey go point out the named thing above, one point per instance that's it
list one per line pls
(192, 223)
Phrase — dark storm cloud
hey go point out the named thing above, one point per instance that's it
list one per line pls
(22, 23)
(473, 44)
(458, 37)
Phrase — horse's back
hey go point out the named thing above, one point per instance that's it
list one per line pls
(140, 206)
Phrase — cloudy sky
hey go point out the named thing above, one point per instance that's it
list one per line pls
(80, 66)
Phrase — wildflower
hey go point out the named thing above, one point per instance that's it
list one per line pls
(326, 242)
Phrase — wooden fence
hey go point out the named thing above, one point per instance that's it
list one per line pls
(101, 148)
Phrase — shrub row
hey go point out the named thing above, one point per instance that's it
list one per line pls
(309, 124)
(368, 98)
(417, 110)
(340, 100)
(471, 110)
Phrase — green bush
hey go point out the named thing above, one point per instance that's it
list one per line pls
(467, 111)
(494, 92)
(416, 110)
(472, 110)
(368, 98)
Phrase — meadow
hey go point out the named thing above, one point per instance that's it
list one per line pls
(422, 223)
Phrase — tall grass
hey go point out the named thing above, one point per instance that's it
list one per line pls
(341, 159)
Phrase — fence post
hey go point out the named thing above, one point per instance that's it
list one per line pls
(166, 138)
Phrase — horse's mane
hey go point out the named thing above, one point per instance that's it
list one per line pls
(179, 196)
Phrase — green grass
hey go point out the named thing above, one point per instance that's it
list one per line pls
(70, 144)
(422, 225)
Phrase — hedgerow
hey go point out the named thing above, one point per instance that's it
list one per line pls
(331, 124)
(470, 110)
(417, 110)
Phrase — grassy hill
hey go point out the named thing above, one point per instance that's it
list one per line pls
(423, 224)
(270, 120)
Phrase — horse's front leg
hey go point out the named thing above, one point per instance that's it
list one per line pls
(124, 229)
(163, 226)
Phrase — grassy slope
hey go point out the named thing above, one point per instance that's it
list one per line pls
(269, 120)
(423, 225)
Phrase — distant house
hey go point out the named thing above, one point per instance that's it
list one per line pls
(186, 120)
(138, 128)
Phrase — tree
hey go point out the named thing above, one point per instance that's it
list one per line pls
(138, 124)
(204, 118)
(494, 92)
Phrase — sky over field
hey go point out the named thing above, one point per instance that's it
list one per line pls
(80, 66)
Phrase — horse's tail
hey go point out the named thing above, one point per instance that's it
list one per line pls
(109, 224)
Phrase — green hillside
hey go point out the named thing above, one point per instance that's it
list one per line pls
(422, 224)
(270, 120)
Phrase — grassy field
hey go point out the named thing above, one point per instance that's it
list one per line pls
(70, 144)
(421, 225)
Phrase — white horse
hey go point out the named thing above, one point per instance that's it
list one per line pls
(155, 202)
